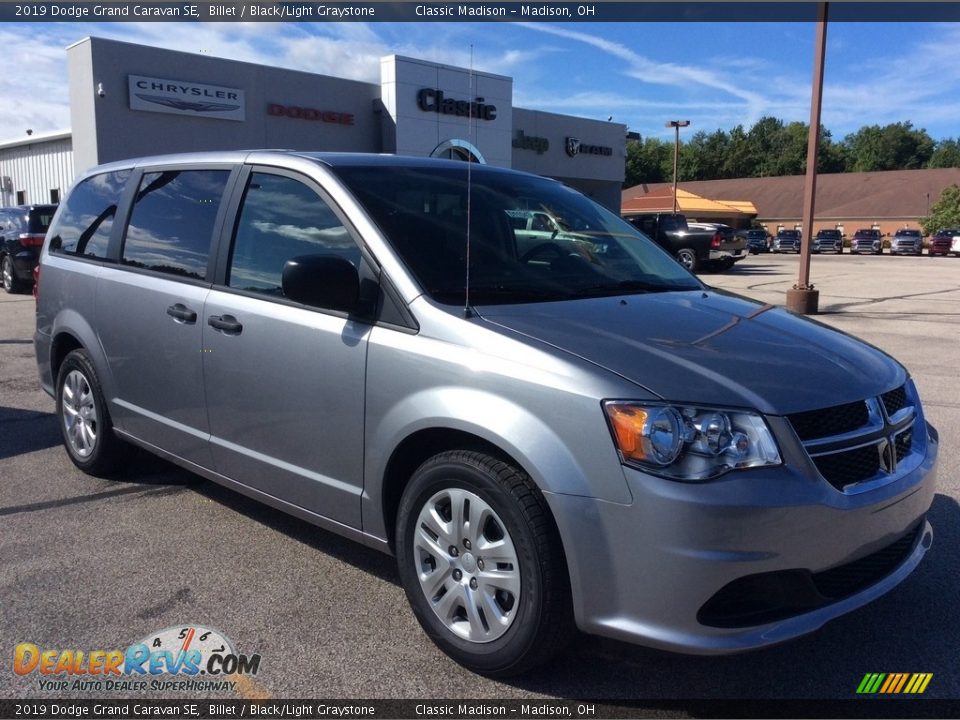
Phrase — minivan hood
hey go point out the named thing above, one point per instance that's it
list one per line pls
(710, 348)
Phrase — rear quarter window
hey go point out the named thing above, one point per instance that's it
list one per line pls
(84, 225)
(171, 224)
(40, 219)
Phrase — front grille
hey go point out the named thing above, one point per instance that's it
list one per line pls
(834, 420)
(768, 597)
(858, 442)
(845, 580)
(850, 466)
(894, 400)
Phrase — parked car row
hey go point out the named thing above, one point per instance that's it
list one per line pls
(905, 241)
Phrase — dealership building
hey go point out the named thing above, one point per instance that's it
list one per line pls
(131, 100)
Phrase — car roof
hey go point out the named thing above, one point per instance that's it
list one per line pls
(330, 159)
(27, 208)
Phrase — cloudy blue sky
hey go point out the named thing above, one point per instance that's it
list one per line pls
(715, 74)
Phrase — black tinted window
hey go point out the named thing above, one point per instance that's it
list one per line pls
(87, 218)
(281, 219)
(421, 210)
(172, 221)
(40, 218)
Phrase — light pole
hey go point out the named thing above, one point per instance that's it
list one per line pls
(803, 298)
(676, 125)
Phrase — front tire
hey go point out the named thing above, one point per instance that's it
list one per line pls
(83, 418)
(481, 563)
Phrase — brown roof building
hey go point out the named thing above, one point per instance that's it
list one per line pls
(889, 200)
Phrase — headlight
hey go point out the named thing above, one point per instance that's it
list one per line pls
(689, 443)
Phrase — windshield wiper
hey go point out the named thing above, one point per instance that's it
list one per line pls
(481, 293)
(628, 286)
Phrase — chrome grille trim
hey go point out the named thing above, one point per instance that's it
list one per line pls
(842, 459)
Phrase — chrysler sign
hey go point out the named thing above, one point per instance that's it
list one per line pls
(181, 97)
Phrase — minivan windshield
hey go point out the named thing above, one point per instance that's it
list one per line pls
(581, 250)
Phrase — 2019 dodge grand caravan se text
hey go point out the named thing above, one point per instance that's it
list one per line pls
(584, 435)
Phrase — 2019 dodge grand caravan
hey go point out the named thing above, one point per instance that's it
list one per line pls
(580, 435)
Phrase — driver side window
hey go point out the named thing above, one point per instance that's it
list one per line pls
(282, 218)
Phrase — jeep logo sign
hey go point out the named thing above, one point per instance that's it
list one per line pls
(530, 142)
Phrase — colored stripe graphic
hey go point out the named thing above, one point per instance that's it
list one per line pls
(894, 683)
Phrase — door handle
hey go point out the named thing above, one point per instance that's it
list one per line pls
(182, 312)
(226, 323)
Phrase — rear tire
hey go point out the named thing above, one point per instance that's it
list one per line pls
(482, 565)
(83, 418)
(688, 258)
(11, 283)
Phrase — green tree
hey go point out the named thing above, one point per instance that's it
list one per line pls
(893, 147)
(740, 160)
(767, 140)
(832, 156)
(946, 154)
(648, 161)
(945, 212)
(702, 157)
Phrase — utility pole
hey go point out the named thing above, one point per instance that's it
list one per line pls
(803, 298)
(676, 125)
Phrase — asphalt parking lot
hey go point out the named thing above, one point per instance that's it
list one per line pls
(96, 564)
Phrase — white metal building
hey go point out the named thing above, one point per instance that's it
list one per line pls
(36, 169)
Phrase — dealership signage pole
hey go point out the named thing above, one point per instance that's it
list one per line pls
(676, 125)
(803, 298)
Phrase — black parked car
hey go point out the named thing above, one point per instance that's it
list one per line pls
(22, 230)
(756, 240)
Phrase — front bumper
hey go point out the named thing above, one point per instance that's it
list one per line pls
(906, 249)
(643, 572)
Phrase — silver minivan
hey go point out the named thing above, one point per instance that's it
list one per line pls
(571, 434)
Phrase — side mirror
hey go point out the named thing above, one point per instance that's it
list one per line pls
(330, 282)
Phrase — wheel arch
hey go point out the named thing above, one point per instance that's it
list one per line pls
(71, 331)
(412, 452)
(62, 345)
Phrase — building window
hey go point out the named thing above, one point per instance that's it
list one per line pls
(21, 197)
(55, 196)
